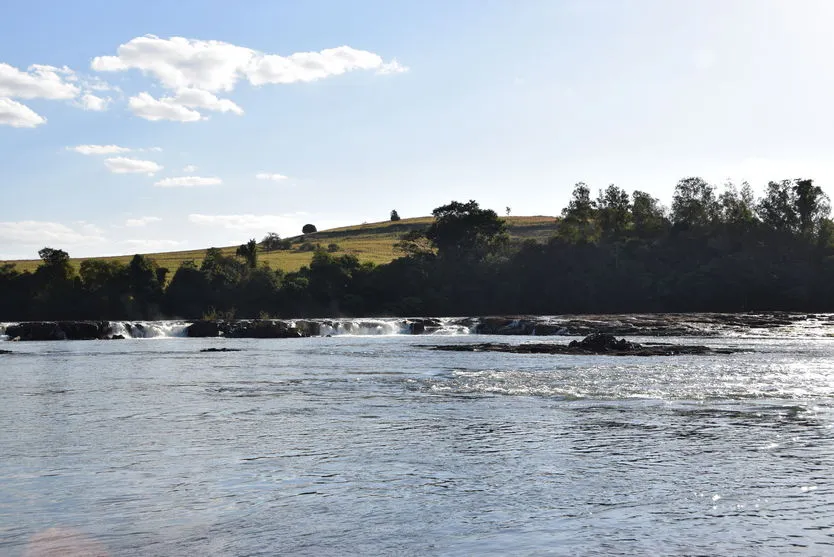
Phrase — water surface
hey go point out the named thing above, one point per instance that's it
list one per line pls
(374, 445)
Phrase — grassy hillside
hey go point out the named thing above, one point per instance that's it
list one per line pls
(369, 242)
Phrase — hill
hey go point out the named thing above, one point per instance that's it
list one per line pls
(372, 242)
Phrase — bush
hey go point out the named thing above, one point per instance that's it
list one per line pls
(394, 215)
(309, 229)
(307, 246)
(333, 247)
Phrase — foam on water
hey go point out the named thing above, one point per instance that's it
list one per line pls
(149, 329)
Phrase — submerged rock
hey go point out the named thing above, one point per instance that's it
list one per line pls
(596, 343)
(5, 351)
(220, 350)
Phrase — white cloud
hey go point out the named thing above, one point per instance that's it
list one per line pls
(142, 221)
(41, 233)
(88, 101)
(38, 82)
(45, 82)
(194, 69)
(189, 168)
(149, 108)
(198, 98)
(188, 182)
(180, 107)
(179, 62)
(124, 165)
(309, 66)
(18, 115)
(246, 221)
(392, 67)
(269, 176)
(98, 149)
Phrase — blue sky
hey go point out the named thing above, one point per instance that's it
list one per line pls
(178, 125)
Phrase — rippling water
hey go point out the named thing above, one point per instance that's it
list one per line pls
(377, 446)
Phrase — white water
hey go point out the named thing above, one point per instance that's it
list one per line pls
(149, 329)
(818, 326)
(388, 326)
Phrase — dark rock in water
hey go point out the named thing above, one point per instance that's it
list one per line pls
(308, 328)
(256, 328)
(202, 329)
(5, 351)
(602, 342)
(597, 343)
(60, 330)
(504, 326)
(422, 326)
(259, 329)
(220, 350)
(117, 337)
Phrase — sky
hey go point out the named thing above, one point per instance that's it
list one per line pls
(163, 126)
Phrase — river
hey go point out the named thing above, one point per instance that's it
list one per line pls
(376, 445)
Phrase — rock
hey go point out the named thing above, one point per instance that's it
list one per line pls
(602, 342)
(5, 351)
(308, 328)
(547, 329)
(59, 330)
(117, 337)
(505, 326)
(220, 350)
(594, 344)
(259, 328)
(202, 329)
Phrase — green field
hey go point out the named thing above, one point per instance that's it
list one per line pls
(372, 242)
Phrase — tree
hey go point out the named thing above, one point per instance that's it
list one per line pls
(249, 252)
(738, 207)
(308, 229)
(465, 231)
(56, 264)
(647, 215)
(394, 215)
(613, 211)
(777, 209)
(273, 241)
(414, 244)
(812, 206)
(694, 204)
(53, 257)
(578, 222)
(144, 287)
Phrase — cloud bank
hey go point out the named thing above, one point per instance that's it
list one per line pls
(196, 69)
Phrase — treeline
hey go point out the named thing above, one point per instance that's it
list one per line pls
(710, 251)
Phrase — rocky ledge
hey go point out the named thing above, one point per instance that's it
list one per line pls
(594, 344)
(60, 330)
(255, 328)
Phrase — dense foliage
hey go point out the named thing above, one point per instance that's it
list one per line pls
(711, 251)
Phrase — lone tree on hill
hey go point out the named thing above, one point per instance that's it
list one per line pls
(309, 229)
(271, 241)
(394, 215)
